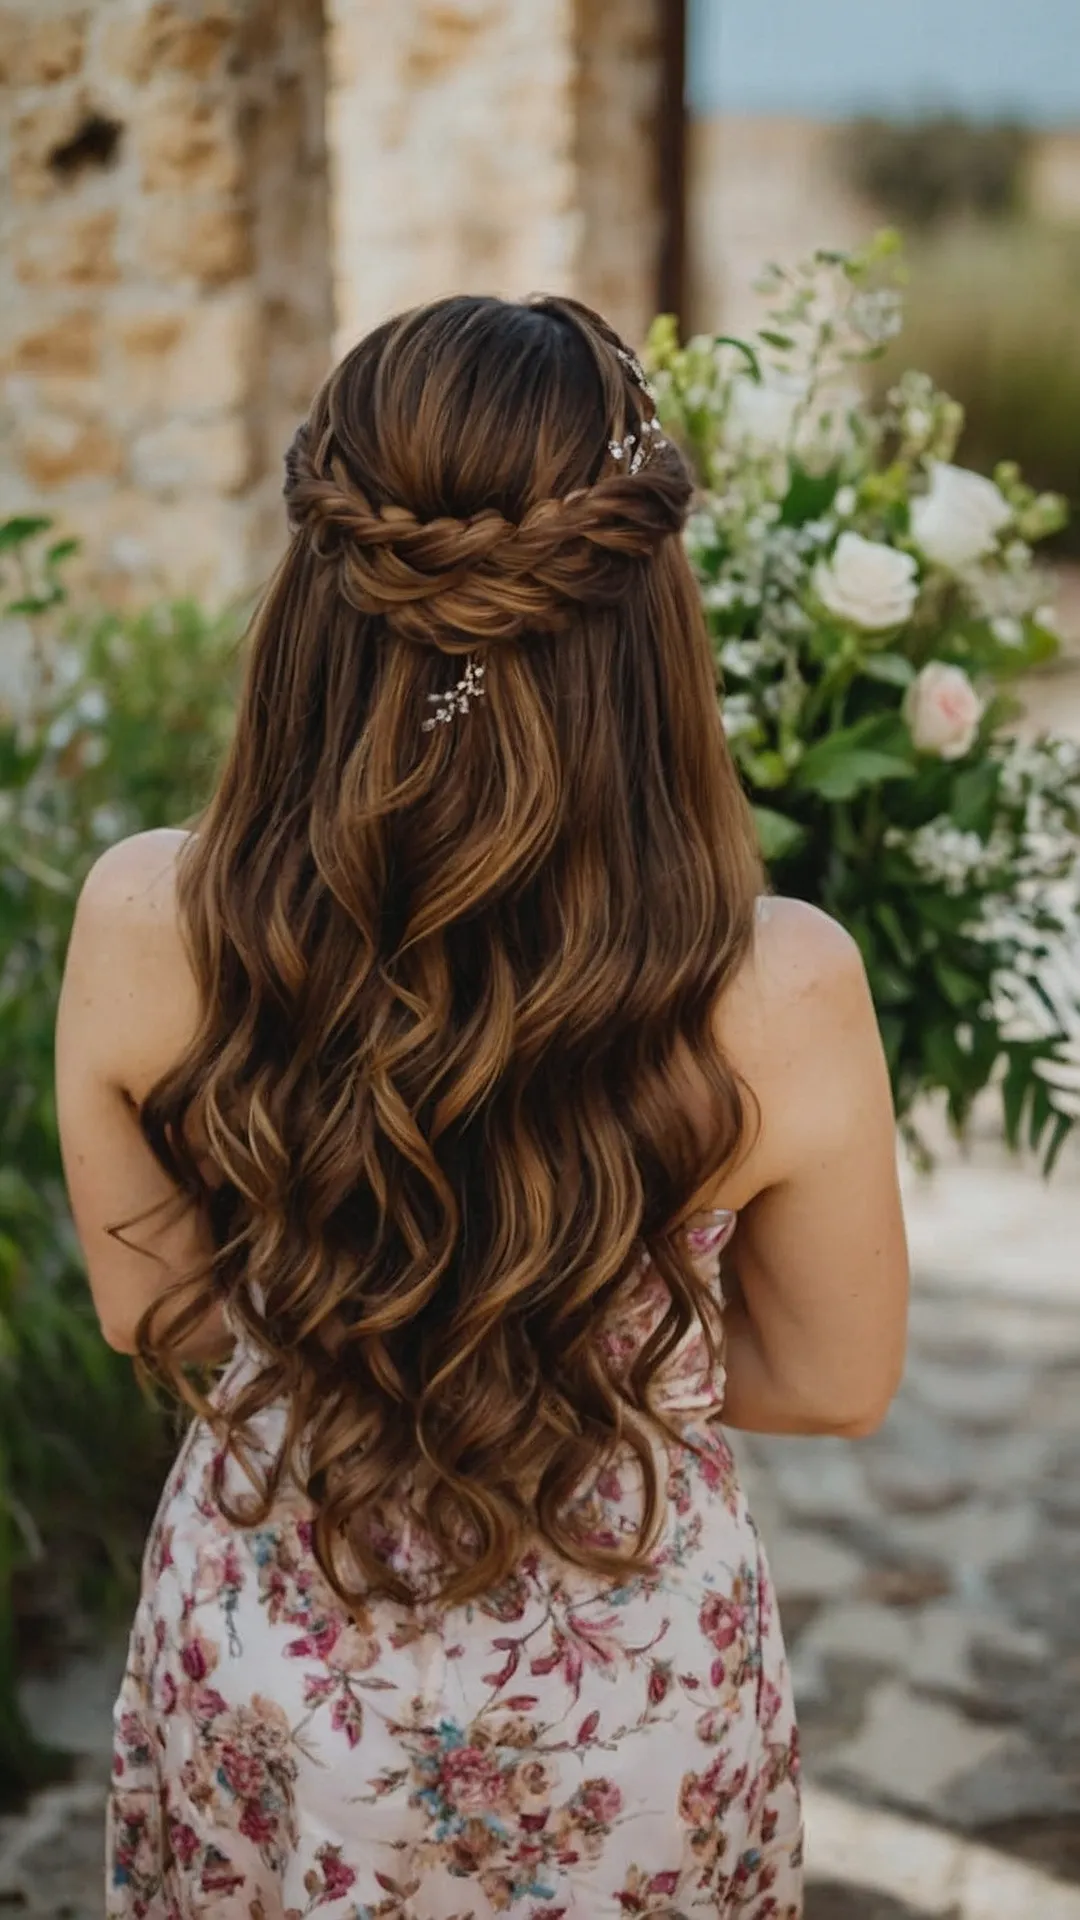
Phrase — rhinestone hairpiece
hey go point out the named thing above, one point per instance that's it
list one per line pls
(636, 370)
(470, 687)
(636, 451)
(633, 450)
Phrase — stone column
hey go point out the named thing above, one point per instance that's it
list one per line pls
(504, 146)
(163, 252)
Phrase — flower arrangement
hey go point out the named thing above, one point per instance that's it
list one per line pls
(871, 603)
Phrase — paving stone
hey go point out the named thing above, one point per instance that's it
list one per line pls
(993, 1888)
(825, 1483)
(859, 1630)
(912, 1750)
(832, 1900)
(981, 1396)
(1015, 1783)
(906, 1485)
(805, 1566)
(874, 1636)
(1003, 1640)
(906, 1584)
(72, 1709)
(976, 1539)
(963, 1329)
(877, 1856)
(52, 1858)
(851, 1842)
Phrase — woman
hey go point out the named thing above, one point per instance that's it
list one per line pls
(431, 1081)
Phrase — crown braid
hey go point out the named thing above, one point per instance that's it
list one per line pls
(455, 583)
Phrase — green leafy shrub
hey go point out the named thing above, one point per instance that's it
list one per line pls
(991, 314)
(107, 725)
(871, 603)
(923, 171)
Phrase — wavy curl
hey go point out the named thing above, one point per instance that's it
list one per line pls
(456, 1072)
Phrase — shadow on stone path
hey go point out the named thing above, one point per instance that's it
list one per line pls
(830, 1900)
(929, 1577)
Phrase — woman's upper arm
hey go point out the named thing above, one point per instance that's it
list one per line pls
(821, 1254)
(124, 1001)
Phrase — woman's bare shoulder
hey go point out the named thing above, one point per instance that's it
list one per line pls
(797, 937)
(128, 982)
(135, 879)
(800, 957)
(794, 1022)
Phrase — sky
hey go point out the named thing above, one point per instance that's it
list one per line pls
(831, 58)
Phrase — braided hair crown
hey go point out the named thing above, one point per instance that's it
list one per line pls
(587, 517)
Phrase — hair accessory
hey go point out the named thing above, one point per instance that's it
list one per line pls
(634, 367)
(446, 705)
(638, 451)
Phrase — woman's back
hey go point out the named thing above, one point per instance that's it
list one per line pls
(436, 1073)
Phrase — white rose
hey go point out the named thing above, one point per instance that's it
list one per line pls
(761, 413)
(959, 518)
(943, 711)
(867, 584)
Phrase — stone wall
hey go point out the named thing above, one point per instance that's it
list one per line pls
(164, 262)
(177, 252)
(617, 105)
(500, 146)
(760, 189)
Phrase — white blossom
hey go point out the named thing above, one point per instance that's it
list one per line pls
(943, 711)
(867, 583)
(959, 518)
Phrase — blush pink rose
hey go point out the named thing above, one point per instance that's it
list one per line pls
(943, 711)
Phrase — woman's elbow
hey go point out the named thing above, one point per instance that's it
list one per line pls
(864, 1413)
(121, 1336)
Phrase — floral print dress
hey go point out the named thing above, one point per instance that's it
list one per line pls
(564, 1747)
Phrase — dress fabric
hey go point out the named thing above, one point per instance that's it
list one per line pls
(565, 1746)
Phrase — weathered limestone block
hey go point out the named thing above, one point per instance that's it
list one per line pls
(36, 50)
(42, 130)
(499, 146)
(193, 456)
(71, 343)
(174, 227)
(77, 250)
(179, 238)
(171, 38)
(188, 361)
(55, 449)
(187, 137)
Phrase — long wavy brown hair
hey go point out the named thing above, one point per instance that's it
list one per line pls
(455, 980)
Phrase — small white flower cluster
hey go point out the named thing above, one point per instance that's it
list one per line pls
(1030, 923)
(959, 862)
(861, 585)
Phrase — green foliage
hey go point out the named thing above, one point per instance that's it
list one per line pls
(921, 172)
(108, 725)
(991, 316)
(871, 604)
